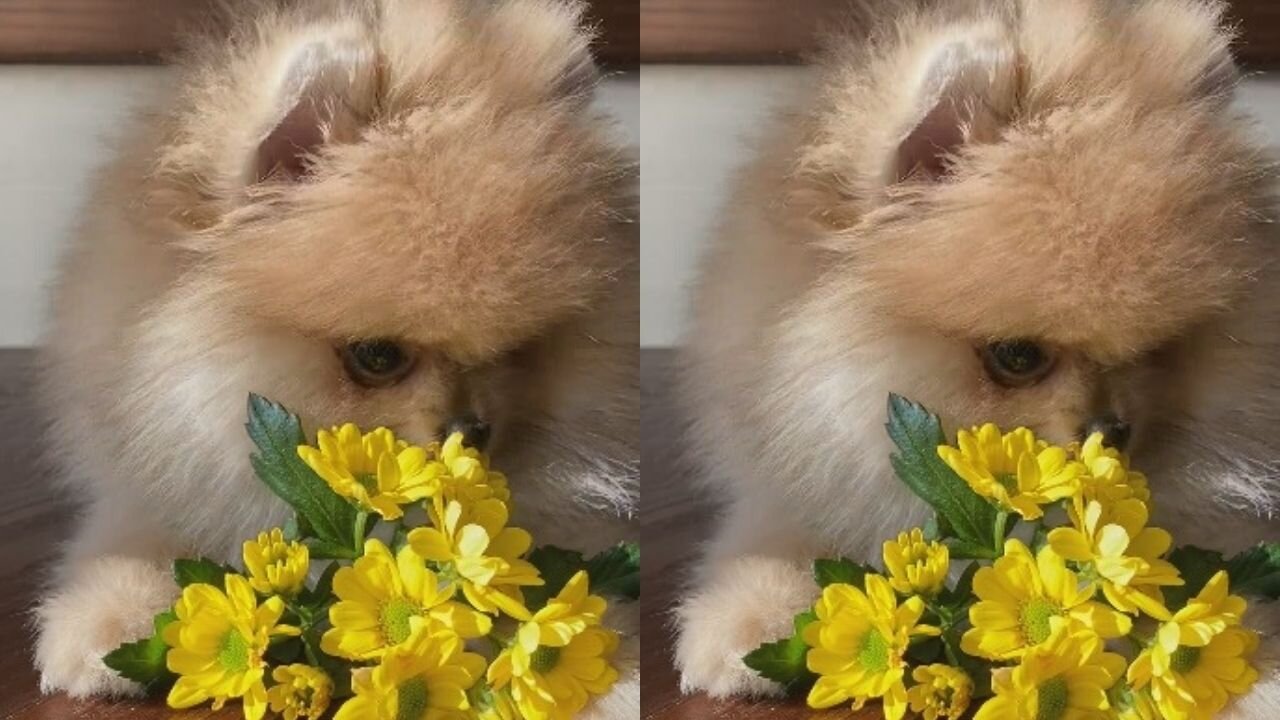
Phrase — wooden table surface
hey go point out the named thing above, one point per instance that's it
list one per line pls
(675, 521)
(33, 521)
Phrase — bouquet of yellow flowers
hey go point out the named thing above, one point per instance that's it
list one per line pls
(1072, 605)
(452, 618)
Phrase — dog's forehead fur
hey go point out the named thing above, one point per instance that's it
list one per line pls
(1105, 196)
(467, 195)
(1097, 229)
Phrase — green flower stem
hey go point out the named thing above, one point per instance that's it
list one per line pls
(1041, 533)
(1002, 521)
(499, 643)
(362, 520)
(305, 617)
(1138, 642)
(312, 660)
(952, 659)
(400, 536)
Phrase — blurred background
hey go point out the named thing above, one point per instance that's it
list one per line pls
(72, 71)
(714, 69)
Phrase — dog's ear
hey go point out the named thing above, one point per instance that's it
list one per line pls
(261, 95)
(324, 91)
(548, 43)
(1182, 49)
(964, 89)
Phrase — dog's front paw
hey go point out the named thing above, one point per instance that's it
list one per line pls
(750, 601)
(110, 601)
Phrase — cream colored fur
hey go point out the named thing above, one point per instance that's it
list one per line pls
(323, 172)
(963, 173)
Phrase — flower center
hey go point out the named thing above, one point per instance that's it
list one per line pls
(1052, 700)
(1035, 615)
(233, 655)
(874, 653)
(1009, 482)
(369, 482)
(395, 620)
(412, 700)
(545, 659)
(1184, 659)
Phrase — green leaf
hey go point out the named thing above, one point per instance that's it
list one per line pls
(399, 538)
(925, 650)
(936, 528)
(199, 571)
(917, 434)
(277, 433)
(784, 661)
(962, 593)
(285, 651)
(1039, 538)
(143, 661)
(965, 550)
(1196, 565)
(556, 565)
(296, 529)
(322, 594)
(325, 550)
(841, 570)
(1256, 572)
(616, 571)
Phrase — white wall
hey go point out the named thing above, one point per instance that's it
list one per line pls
(697, 124)
(54, 128)
(697, 128)
(56, 125)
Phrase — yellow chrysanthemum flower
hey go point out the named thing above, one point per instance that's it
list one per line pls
(1023, 600)
(941, 692)
(557, 682)
(1115, 544)
(916, 566)
(424, 679)
(301, 692)
(1205, 615)
(1014, 470)
(1200, 656)
(564, 616)
(276, 567)
(463, 474)
(482, 554)
(1107, 475)
(382, 600)
(1064, 679)
(374, 470)
(1195, 683)
(217, 643)
(857, 645)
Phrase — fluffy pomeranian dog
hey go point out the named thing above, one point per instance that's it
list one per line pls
(1037, 213)
(394, 212)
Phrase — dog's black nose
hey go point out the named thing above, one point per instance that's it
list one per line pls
(1115, 432)
(475, 432)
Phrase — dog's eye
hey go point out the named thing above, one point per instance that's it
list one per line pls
(377, 363)
(1016, 363)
